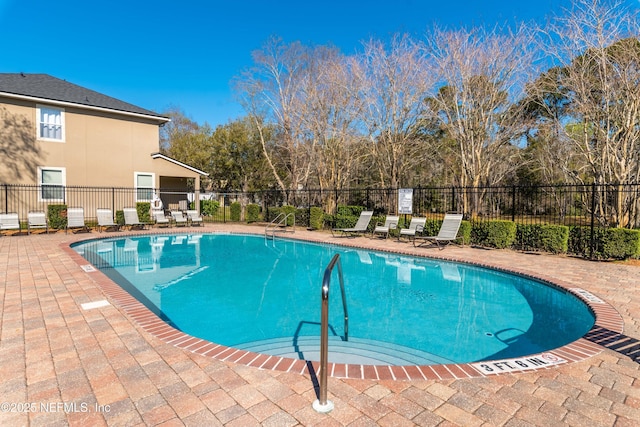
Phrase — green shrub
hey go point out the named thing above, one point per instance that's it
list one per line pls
(375, 220)
(143, 209)
(580, 240)
(465, 232)
(608, 243)
(272, 213)
(235, 211)
(621, 243)
(432, 227)
(538, 237)
(209, 207)
(302, 217)
(120, 218)
(57, 215)
(329, 220)
(316, 218)
(494, 234)
(291, 219)
(253, 212)
(347, 221)
(349, 210)
(346, 217)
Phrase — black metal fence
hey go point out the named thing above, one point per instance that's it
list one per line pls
(26, 198)
(592, 205)
(585, 205)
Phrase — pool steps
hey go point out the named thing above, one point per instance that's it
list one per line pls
(354, 351)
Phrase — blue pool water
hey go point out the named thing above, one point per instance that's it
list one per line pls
(248, 292)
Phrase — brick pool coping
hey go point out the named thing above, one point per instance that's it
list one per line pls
(608, 322)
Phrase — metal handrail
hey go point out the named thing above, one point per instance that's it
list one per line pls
(283, 220)
(322, 404)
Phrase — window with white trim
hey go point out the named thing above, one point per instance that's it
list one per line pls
(50, 123)
(52, 182)
(144, 186)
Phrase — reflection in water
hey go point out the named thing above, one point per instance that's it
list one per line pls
(235, 290)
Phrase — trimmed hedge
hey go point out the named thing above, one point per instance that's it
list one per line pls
(296, 218)
(57, 215)
(494, 234)
(253, 213)
(614, 243)
(316, 218)
(144, 209)
(209, 207)
(235, 211)
(609, 243)
(465, 232)
(343, 210)
(346, 217)
(348, 221)
(621, 243)
(120, 218)
(547, 238)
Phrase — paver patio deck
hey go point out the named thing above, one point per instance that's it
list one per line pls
(63, 365)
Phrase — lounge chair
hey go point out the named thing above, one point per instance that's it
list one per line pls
(37, 220)
(194, 218)
(75, 219)
(160, 218)
(390, 223)
(105, 220)
(9, 221)
(179, 218)
(360, 227)
(131, 219)
(448, 232)
(415, 226)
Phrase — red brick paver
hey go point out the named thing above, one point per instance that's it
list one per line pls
(62, 365)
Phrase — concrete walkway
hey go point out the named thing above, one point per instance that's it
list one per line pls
(61, 364)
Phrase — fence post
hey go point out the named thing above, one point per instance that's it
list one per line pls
(6, 198)
(513, 203)
(593, 212)
(453, 199)
(308, 205)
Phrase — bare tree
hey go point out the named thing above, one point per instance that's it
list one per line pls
(271, 93)
(482, 75)
(596, 44)
(396, 80)
(553, 159)
(331, 115)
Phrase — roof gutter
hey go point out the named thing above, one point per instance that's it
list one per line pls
(160, 119)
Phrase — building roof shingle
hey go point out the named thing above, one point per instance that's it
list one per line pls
(46, 87)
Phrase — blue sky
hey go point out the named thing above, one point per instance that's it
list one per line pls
(161, 53)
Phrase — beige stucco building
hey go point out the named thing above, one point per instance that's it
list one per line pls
(57, 136)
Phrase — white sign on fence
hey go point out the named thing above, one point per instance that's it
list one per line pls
(405, 200)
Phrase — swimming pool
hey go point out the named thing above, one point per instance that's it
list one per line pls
(262, 295)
